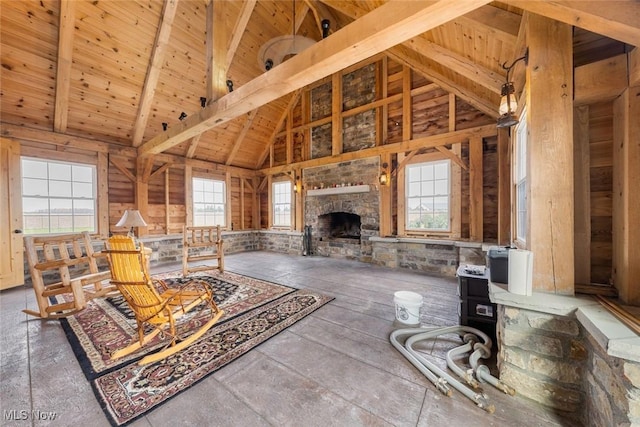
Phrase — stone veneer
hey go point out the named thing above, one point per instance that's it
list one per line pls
(553, 350)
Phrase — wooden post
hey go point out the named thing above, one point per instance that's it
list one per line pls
(299, 200)
(103, 194)
(142, 191)
(336, 114)
(582, 195)
(504, 187)
(385, 198)
(188, 195)
(475, 190)
(550, 154)
(626, 198)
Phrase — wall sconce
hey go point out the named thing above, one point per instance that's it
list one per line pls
(384, 176)
(508, 102)
(297, 187)
(230, 85)
(131, 218)
(164, 126)
(203, 101)
(183, 116)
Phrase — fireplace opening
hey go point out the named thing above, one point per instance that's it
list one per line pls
(339, 225)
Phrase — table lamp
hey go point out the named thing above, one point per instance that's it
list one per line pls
(131, 218)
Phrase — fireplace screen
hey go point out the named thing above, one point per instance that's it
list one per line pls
(339, 225)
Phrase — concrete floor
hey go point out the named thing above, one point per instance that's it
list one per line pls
(335, 367)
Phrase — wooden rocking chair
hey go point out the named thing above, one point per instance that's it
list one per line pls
(153, 303)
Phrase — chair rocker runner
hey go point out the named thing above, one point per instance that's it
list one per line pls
(153, 303)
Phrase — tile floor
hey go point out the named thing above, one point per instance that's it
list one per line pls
(336, 367)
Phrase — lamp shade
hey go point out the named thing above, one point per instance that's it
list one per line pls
(131, 218)
(504, 104)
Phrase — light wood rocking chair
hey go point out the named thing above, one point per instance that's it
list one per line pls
(202, 243)
(153, 303)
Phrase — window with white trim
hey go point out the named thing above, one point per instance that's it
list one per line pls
(282, 204)
(428, 196)
(520, 177)
(209, 202)
(58, 197)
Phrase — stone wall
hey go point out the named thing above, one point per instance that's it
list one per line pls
(430, 256)
(553, 360)
(286, 242)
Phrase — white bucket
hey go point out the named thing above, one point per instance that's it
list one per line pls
(408, 307)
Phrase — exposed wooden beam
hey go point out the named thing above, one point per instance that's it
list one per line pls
(217, 44)
(453, 156)
(398, 147)
(238, 29)
(599, 81)
(158, 171)
(193, 145)
(406, 56)
(243, 133)
(384, 27)
(619, 20)
(457, 63)
(63, 71)
(498, 22)
(126, 172)
(292, 101)
(634, 67)
(153, 72)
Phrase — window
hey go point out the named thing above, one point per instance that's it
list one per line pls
(520, 178)
(208, 202)
(58, 197)
(428, 196)
(282, 204)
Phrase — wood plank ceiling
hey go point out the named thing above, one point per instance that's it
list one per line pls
(116, 71)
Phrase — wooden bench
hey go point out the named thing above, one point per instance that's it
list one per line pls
(64, 264)
(202, 244)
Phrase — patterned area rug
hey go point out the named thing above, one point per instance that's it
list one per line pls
(254, 312)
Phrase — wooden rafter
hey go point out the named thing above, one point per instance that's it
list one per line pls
(238, 29)
(126, 172)
(292, 101)
(408, 57)
(159, 170)
(193, 145)
(619, 20)
(501, 23)
(217, 44)
(153, 72)
(381, 29)
(63, 72)
(243, 133)
(457, 63)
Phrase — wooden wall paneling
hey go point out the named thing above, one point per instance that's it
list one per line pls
(475, 190)
(550, 152)
(582, 196)
(242, 204)
(504, 187)
(228, 202)
(626, 202)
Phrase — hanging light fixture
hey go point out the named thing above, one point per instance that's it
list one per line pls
(508, 101)
(274, 51)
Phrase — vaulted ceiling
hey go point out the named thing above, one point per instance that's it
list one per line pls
(115, 71)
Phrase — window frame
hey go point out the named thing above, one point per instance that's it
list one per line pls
(274, 203)
(520, 212)
(73, 185)
(449, 195)
(195, 201)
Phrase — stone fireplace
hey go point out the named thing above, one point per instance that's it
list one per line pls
(342, 206)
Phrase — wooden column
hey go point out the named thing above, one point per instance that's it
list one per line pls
(385, 198)
(143, 165)
(626, 197)
(504, 187)
(299, 201)
(475, 190)
(582, 195)
(550, 154)
(336, 114)
(103, 194)
(188, 195)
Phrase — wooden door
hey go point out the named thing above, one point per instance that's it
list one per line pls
(11, 253)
